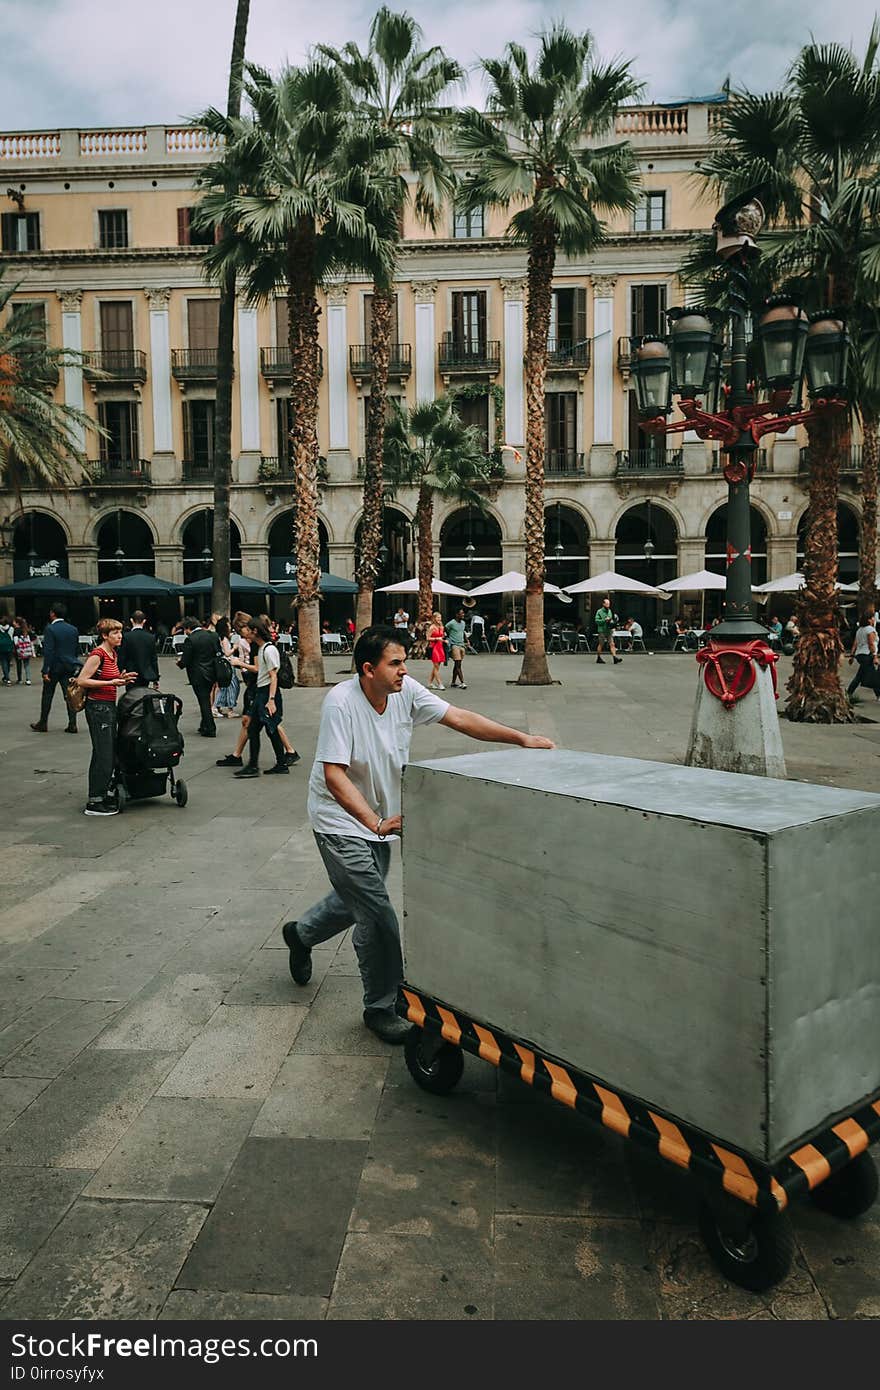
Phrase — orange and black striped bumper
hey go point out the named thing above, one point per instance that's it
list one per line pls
(767, 1187)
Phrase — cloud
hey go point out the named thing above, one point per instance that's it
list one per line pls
(84, 62)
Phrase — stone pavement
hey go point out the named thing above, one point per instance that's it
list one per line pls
(184, 1133)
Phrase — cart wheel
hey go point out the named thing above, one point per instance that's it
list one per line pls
(181, 795)
(850, 1191)
(433, 1064)
(121, 796)
(755, 1253)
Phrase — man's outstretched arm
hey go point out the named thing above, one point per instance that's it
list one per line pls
(466, 721)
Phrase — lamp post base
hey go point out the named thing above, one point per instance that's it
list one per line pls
(742, 738)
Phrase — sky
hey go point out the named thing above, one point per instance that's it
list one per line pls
(84, 63)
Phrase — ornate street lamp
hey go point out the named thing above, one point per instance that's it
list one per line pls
(689, 364)
(119, 553)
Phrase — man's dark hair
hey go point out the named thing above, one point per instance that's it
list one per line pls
(373, 641)
(59, 610)
(190, 622)
(138, 617)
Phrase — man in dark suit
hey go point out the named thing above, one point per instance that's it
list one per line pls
(60, 659)
(197, 658)
(138, 652)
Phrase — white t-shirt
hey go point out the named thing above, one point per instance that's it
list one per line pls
(401, 618)
(374, 747)
(268, 661)
(863, 640)
(636, 630)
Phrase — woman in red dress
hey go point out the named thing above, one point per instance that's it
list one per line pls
(436, 651)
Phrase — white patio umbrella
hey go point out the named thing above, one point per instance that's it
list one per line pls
(411, 586)
(790, 583)
(854, 588)
(697, 583)
(609, 582)
(513, 583)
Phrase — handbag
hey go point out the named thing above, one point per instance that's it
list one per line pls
(76, 695)
(222, 670)
(286, 680)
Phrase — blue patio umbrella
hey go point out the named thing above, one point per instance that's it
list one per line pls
(50, 586)
(238, 584)
(137, 586)
(330, 584)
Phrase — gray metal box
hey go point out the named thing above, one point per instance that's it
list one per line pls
(705, 941)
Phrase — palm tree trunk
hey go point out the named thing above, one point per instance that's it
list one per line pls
(303, 313)
(371, 520)
(424, 526)
(220, 592)
(542, 257)
(815, 694)
(868, 542)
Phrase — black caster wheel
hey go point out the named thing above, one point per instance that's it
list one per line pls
(752, 1249)
(181, 795)
(850, 1191)
(433, 1064)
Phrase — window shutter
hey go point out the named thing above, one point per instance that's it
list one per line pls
(368, 319)
(458, 317)
(203, 320)
(117, 326)
(481, 316)
(637, 324)
(187, 432)
(133, 441)
(183, 226)
(7, 219)
(282, 332)
(580, 315)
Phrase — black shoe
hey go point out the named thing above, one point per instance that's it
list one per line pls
(101, 808)
(71, 729)
(208, 733)
(386, 1025)
(230, 761)
(279, 767)
(247, 772)
(600, 661)
(293, 758)
(39, 728)
(617, 660)
(300, 955)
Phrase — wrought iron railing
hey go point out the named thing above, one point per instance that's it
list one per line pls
(275, 363)
(650, 461)
(850, 463)
(117, 364)
(563, 353)
(471, 356)
(360, 357)
(198, 470)
(561, 463)
(274, 469)
(122, 472)
(191, 363)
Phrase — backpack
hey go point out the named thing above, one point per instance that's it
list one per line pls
(286, 679)
(222, 670)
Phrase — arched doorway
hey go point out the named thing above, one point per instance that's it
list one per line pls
(197, 546)
(282, 556)
(566, 545)
(645, 548)
(39, 548)
(397, 561)
(470, 549)
(847, 543)
(125, 546)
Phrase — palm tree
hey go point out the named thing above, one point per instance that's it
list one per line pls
(868, 358)
(308, 205)
(537, 151)
(39, 438)
(220, 595)
(814, 147)
(430, 449)
(396, 87)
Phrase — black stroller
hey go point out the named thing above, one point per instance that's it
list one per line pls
(149, 746)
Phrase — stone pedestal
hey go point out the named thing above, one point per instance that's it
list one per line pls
(164, 468)
(745, 738)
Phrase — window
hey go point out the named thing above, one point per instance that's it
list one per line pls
(35, 310)
(568, 319)
(21, 231)
(113, 229)
(284, 419)
(368, 320)
(119, 419)
(474, 410)
(117, 326)
(188, 235)
(650, 213)
(469, 320)
(203, 320)
(648, 310)
(282, 323)
(560, 426)
(469, 224)
(198, 434)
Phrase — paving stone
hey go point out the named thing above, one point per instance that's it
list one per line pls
(80, 1116)
(45, 906)
(16, 1094)
(118, 976)
(335, 1022)
(113, 1260)
(21, 987)
(166, 1016)
(266, 980)
(400, 1278)
(32, 1202)
(279, 1222)
(569, 1268)
(237, 1055)
(843, 1258)
(323, 1097)
(176, 1150)
(219, 947)
(58, 1043)
(552, 1163)
(209, 1305)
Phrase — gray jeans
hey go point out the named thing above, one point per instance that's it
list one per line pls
(357, 869)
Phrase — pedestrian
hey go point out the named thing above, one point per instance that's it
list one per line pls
(242, 662)
(354, 810)
(24, 650)
(7, 646)
(138, 652)
(605, 621)
(457, 636)
(227, 697)
(101, 678)
(864, 651)
(198, 657)
(60, 661)
(401, 619)
(267, 705)
(436, 651)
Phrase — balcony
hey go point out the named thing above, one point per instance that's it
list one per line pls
(563, 355)
(194, 364)
(469, 359)
(119, 472)
(281, 470)
(114, 365)
(275, 364)
(850, 465)
(563, 463)
(360, 359)
(649, 462)
(198, 471)
(762, 462)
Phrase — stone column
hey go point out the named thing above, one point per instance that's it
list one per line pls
(163, 461)
(426, 340)
(514, 343)
(781, 556)
(255, 559)
(82, 563)
(341, 559)
(603, 359)
(691, 554)
(248, 367)
(337, 365)
(71, 338)
(169, 562)
(601, 557)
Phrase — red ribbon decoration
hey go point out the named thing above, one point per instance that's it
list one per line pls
(729, 668)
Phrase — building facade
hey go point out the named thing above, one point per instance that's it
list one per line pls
(99, 234)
